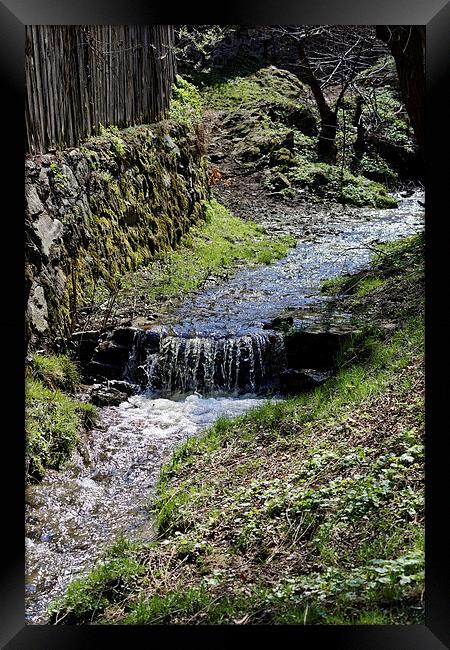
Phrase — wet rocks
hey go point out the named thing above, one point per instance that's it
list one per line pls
(314, 349)
(279, 181)
(123, 387)
(112, 393)
(280, 323)
(103, 370)
(110, 356)
(84, 343)
(294, 381)
(114, 354)
(107, 396)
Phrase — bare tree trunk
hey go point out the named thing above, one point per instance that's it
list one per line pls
(359, 145)
(407, 45)
(328, 118)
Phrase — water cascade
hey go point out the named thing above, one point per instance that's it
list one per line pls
(207, 365)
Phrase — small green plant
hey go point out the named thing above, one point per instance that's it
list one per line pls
(186, 103)
(112, 134)
(377, 169)
(333, 286)
(106, 177)
(58, 178)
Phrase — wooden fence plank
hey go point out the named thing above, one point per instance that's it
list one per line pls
(80, 76)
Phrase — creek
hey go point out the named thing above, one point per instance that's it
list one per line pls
(213, 356)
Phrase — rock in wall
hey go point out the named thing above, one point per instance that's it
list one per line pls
(103, 209)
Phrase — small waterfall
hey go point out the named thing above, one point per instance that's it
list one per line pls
(236, 365)
(143, 356)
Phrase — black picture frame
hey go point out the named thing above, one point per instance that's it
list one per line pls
(14, 15)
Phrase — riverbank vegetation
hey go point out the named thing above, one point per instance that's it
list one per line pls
(310, 508)
(212, 249)
(305, 511)
(54, 417)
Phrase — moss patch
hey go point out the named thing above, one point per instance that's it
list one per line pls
(279, 89)
(122, 197)
(330, 182)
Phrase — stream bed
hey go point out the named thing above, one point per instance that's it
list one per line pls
(107, 487)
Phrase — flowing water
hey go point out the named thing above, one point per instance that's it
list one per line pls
(337, 243)
(211, 358)
(107, 488)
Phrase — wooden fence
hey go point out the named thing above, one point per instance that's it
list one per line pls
(78, 77)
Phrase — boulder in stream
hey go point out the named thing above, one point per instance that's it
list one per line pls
(102, 395)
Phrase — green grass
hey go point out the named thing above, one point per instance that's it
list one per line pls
(116, 574)
(367, 286)
(53, 422)
(208, 248)
(54, 417)
(390, 290)
(360, 287)
(55, 371)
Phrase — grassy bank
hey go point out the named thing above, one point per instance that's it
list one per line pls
(309, 510)
(391, 289)
(214, 247)
(54, 418)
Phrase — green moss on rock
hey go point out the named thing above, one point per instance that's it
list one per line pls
(329, 182)
(127, 194)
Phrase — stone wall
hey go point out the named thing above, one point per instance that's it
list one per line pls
(100, 210)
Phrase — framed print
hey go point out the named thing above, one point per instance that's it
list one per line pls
(316, 139)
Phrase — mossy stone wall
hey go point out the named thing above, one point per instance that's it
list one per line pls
(100, 210)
